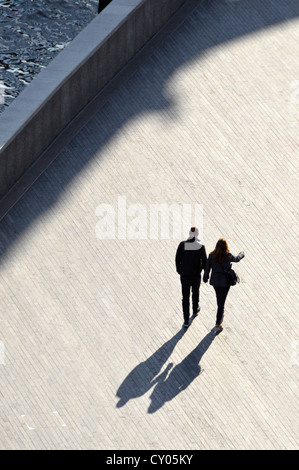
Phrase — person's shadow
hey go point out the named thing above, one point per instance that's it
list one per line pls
(181, 376)
(144, 376)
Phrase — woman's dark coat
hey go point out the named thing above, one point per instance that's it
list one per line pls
(218, 277)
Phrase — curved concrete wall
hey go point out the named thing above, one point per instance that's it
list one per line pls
(74, 78)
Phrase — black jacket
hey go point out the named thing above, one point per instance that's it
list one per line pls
(218, 276)
(191, 258)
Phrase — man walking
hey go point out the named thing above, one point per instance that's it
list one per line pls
(190, 260)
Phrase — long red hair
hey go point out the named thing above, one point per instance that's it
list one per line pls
(221, 250)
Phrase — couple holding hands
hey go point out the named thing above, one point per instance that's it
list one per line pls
(190, 260)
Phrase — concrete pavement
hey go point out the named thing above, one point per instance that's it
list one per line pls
(92, 351)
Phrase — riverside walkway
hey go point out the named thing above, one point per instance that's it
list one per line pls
(92, 354)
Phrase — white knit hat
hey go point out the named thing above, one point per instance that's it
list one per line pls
(193, 232)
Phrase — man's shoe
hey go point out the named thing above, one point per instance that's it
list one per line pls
(186, 325)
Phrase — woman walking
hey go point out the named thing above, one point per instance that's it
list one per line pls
(219, 261)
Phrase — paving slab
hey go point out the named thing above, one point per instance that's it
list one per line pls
(92, 351)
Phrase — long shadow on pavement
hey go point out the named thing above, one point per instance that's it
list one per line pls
(144, 376)
(213, 22)
(181, 376)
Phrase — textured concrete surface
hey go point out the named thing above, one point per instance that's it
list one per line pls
(72, 79)
(92, 351)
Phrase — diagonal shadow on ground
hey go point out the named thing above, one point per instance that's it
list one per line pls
(213, 22)
(144, 376)
(181, 376)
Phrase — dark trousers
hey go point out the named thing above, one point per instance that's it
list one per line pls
(221, 294)
(188, 283)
